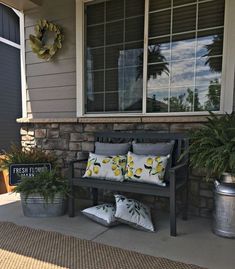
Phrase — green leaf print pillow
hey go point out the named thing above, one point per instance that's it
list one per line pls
(103, 214)
(106, 167)
(133, 212)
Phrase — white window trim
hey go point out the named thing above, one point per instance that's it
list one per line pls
(228, 70)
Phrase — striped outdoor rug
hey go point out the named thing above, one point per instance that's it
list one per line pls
(26, 248)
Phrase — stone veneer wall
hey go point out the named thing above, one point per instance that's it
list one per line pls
(66, 140)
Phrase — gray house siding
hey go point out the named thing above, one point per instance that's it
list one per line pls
(51, 85)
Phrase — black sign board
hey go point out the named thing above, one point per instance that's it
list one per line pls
(16, 171)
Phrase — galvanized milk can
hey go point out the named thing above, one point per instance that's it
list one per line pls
(224, 210)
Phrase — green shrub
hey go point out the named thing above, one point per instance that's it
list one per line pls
(17, 155)
(46, 184)
(213, 146)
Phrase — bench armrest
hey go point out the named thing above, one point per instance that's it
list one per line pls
(179, 171)
(82, 156)
(181, 166)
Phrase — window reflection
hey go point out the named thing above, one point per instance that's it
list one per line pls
(182, 73)
(157, 100)
(185, 66)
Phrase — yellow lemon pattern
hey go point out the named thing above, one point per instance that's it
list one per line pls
(146, 168)
(106, 167)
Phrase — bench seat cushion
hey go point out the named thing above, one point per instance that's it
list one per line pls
(112, 148)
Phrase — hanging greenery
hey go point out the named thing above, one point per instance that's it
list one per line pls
(38, 41)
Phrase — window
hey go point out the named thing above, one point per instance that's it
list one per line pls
(153, 56)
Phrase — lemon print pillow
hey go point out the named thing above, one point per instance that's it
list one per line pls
(146, 168)
(106, 167)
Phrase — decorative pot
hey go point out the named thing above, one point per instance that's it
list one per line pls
(36, 206)
(228, 178)
(224, 209)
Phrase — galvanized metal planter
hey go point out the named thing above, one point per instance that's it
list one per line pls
(36, 206)
(228, 178)
(224, 211)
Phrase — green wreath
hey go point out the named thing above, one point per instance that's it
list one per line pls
(38, 42)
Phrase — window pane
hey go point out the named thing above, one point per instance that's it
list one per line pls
(95, 59)
(208, 69)
(183, 46)
(160, 4)
(111, 102)
(134, 54)
(159, 23)
(114, 80)
(185, 63)
(95, 36)
(184, 19)
(114, 56)
(95, 102)
(182, 99)
(210, 43)
(95, 81)
(159, 50)
(134, 29)
(114, 10)
(183, 2)
(95, 14)
(114, 32)
(209, 96)
(157, 100)
(131, 97)
(158, 75)
(182, 73)
(134, 7)
(211, 14)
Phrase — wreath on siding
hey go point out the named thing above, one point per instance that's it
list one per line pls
(38, 41)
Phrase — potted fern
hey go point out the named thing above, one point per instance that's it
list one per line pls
(43, 195)
(213, 148)
(42, 192)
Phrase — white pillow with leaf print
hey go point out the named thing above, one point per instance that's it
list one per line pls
(146, 168)
(133, 212)
(106, 167)
(103, 214)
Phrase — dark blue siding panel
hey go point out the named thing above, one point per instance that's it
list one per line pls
(10, 95)
(9, 24)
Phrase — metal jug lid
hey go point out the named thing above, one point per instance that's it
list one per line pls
(225, 188)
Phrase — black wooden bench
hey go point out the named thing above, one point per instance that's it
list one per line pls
(178, 180)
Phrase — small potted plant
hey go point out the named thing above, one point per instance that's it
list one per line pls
(42, 192)
(213, 148)
(17, 155)
(43, 195)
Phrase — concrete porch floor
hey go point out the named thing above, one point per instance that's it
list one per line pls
(195, 243)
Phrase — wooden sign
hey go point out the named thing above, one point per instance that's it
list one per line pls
(16, 171)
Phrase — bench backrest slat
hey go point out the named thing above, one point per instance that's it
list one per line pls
(181, 140)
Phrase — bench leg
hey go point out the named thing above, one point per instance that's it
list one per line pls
(172, 205)
(172, 215)
(95, 196)
(185, 203)
(71, 203)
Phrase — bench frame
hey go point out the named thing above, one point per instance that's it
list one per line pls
(178, 179)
